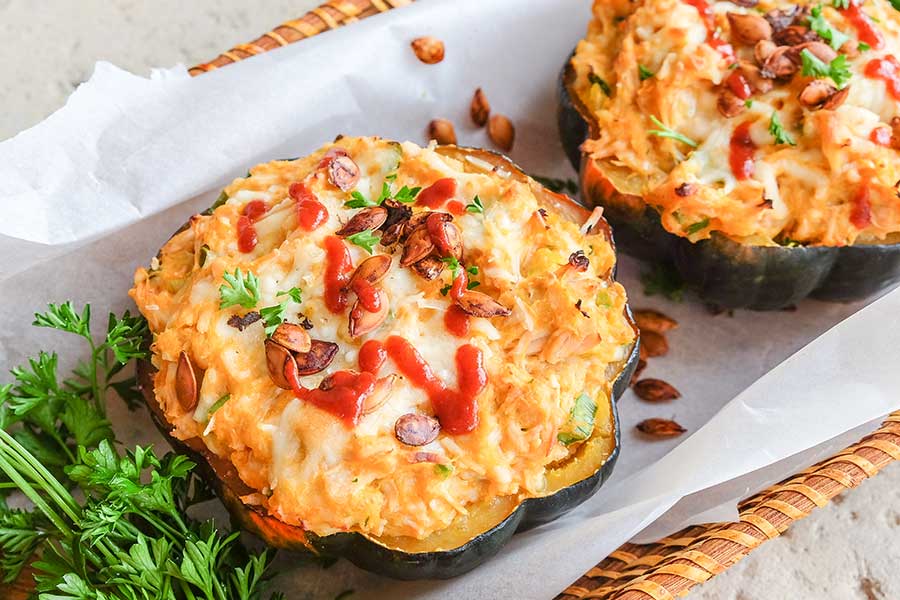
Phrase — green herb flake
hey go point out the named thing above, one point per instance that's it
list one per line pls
(443, 471)
(838, 70)
(366, 240)
(603, 299)
(581, 421)
(864, 47)
(599, 81)
(217, 405)
(776, 128)
(294, 294)
(407, 195)
(273, 316)
(666, 132)
(476, 207)
(359, 201)
(697, 227)
(645, 73)
(240, 290)
(826, 31)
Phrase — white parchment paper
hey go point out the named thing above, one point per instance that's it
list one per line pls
(94, 190)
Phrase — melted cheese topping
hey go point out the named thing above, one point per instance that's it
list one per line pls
(566, 336)
(804, 193)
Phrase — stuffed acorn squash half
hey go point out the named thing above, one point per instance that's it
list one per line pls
(396, 354)
(756, 144)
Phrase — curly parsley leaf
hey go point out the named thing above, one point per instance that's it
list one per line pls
(295, 294)
(64, 318)
(357, 200)
(838, 70)
(273, 316)
(366, 240)
(476, 206)
(239, 290)
(819, 24)
(776, 128)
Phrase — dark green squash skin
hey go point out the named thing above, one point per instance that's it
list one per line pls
(361, 550)
(722, 271)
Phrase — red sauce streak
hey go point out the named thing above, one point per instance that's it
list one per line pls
(437, 193)
(742, 150)
(865, 29)
(861, 213)
(709, 18)
(344, 396)
(459, 285)
(739, 86)
(888, 70)
(311, 213)
(456, 208)
(457, 321)
(881, 136)
(368, 297)
(247, 238)
(456, 410)
(372, 356)
(338, 266)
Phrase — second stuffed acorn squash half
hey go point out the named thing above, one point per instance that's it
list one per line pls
(395, 354)
(754, 144)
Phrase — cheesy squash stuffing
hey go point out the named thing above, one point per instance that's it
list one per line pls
(769, 121)
(380, 336)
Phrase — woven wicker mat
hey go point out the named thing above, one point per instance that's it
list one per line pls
(671, 566)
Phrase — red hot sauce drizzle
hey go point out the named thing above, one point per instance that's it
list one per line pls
(742, 150)
(865, 29)
(342, 394)
(457, 321)
(435, 195)
(712, 37)
(338, 266)
(311, 213)
(456, 410)
(247, 238)
(372, 356)
(886, 69)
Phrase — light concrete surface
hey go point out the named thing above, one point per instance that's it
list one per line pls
(849, 550)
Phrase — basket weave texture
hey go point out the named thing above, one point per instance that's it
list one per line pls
(672, 566)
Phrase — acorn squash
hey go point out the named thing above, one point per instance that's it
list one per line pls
(486, 525)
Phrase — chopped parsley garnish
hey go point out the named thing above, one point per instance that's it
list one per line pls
(476, 206)
(666, 132)
(359, 201)
(443, 470)
(841, 3)
(599, 81)
(273, 316)
(294, 293)
(218, 404)
(406, 195)
(820, 25)
(864, 47)
(241, 290)
(645, 73)
(697, 227)
(776, 128)
(838, 70)
(365, 240)
(581, 419)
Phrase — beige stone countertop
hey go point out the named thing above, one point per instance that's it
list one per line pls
(849, 550)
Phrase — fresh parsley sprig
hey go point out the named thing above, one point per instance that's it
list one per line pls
(776, 128)
(406, 195)
(819, 24)
(240, 290)
(838, 70)
(124, 534)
